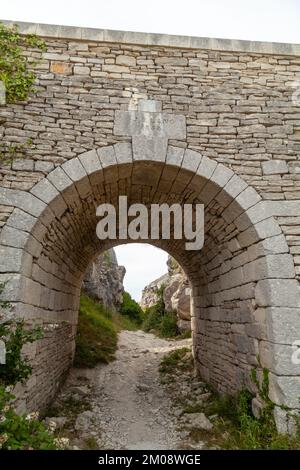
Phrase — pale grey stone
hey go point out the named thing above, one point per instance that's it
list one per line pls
(283, 324)
(21, 220)
(149, 148)
(43, 166)
(23, 164)
(22, 200)
(60, 179)
(45, 191)
(123, 152)
(206, 167)
(2, 93)
(221, 175)
(15, 260)
(74, 169)
(149, 106)
(90, 161)
(274, 167)
(127, 60)
(191, 160)
(278, 293)
(107, 156)
(174, 155)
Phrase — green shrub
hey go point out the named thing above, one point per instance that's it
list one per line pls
(131, 309)
(21, 432)
(159, 320)
(18, 432)
(15, 336)
(15, 68)
(96, 338)
(152, 319)
(170, 362)
(168, 325)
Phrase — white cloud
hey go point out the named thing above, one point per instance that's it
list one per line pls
(143, 264)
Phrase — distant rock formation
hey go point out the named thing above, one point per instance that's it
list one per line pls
(176, 293)
(104, 279)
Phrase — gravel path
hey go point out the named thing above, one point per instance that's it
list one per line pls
(130, 406)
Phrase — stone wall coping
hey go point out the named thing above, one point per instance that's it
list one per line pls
(154, 39)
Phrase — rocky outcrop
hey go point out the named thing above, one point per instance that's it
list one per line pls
(176, 293)
(104, 279)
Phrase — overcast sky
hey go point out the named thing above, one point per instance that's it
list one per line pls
(260, 20)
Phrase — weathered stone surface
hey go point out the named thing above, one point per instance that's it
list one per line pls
(274, 167)
(176, 294)
(278, 292)
(2, 93)
(104, 279)
(92, 101)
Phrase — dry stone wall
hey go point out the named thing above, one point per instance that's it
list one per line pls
(228, 137)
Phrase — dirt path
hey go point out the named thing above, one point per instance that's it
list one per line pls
(130, 405)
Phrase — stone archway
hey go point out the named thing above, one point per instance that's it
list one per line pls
(242, 280)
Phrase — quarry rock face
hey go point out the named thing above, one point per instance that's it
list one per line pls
(176, 293)
(104, 279)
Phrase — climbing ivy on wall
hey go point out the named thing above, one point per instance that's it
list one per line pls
(16, 70)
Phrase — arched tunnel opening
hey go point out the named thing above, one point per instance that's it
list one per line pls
(229, 277)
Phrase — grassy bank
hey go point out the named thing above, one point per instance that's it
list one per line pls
(233, 424)
(97, 332)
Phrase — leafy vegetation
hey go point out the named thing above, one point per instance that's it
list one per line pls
(96, 339)
(15, 336)
(97, 330)
(18, 432)
(16, 70)
(171, 362)
(17, 74)
(160, 321)
(234, 425)
(131, 309)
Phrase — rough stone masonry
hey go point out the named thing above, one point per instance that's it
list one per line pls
(160, 119)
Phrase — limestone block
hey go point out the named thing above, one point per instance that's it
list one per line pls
(149, 106)
(206, 167)
(267, 228)
(21, 220)
(191, 160)
(15, 260)
(126, 60)
(107, 156)
(44, 167)
(123, 152)
(284, 390)
(274, 167)
(59, 179)
(283, 324)
(254, 214)
(149, 148)
(11, 236)
(174, 155)
(278, 358)
(247, 198)
(90, 161)
(221, 175)
(274, 266)
(278, 292)
(22, 200)
(23, 164)
(45, 191)
(2, 94)
(272, 245)
(74, 169)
